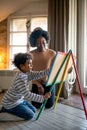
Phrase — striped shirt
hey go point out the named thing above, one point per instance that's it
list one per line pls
(19, 90)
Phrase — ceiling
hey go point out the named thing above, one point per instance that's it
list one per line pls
(7, 7)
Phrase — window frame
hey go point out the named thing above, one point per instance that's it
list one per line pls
(8, 40)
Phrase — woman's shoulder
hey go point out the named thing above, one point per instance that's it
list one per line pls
(52, 52)
(33, 51)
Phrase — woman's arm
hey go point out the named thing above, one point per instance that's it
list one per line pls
(39, 86)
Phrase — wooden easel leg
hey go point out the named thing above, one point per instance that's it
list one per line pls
(79, 86)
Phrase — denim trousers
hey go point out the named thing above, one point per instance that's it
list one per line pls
(24, 110)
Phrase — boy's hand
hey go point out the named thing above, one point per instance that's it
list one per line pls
(47, 95)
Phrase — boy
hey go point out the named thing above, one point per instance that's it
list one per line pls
(13, 101)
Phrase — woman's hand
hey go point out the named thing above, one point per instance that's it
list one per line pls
(39, 86)
(70, 69)
(41, 89)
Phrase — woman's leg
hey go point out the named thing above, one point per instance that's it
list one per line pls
(35, 90)
(50, 101)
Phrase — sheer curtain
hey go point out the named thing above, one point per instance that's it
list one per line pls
(58, 17)
(81, 32)
(66, 25)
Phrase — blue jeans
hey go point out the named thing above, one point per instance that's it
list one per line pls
(24, 110)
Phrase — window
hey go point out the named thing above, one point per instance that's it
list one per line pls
(18, 37)
(18, 34)
(38, 22)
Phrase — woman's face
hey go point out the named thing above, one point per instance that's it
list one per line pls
(41, 44)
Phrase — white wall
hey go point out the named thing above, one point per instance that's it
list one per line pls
(34, 8)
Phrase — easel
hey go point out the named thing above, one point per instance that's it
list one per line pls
(66, 61)
(61, 83)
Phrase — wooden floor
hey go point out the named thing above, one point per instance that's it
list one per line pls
(63, 117)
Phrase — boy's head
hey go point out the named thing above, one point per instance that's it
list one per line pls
(20, 59)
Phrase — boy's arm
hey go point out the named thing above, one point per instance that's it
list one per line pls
(34, 75)
(31, 96)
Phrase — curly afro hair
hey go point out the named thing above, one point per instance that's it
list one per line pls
(21, 58)
(36, 34)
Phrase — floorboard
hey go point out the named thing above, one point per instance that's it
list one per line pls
(63, 117)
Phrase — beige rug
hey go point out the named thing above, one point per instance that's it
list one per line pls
(9, 117)
(74, 101)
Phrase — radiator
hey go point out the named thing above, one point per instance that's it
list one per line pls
(6, 78)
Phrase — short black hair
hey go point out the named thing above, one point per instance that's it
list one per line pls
(20, 58)
(36, 34)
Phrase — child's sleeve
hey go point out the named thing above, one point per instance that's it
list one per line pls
(34, 75)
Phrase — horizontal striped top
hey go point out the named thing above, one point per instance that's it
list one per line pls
(19, 89)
